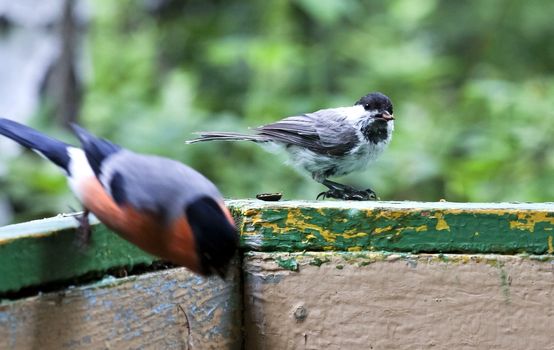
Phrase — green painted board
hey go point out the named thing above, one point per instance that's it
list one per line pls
(45, 251)
(414, 227)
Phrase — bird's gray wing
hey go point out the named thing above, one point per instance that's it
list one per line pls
(324, 132)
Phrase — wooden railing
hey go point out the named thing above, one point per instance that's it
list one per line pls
(309, 275)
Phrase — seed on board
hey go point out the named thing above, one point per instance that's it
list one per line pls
(269, 197)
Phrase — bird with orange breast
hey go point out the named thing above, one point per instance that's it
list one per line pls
(162, 206)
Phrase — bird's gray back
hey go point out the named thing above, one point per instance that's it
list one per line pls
(159, 185)
(327, 131)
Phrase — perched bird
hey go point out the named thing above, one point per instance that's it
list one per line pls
(164, 207)
(329, 142)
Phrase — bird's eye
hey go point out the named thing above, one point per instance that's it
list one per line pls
(366, 106)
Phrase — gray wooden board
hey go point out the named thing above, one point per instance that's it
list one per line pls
(383, 301)
(170, 309)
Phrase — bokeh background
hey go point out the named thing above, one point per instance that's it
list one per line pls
(472, 83)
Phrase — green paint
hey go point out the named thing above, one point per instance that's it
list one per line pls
(397, 226)
(505, 283)
(33, 258)
(342, 259)
(318, 261)
(43, 251)
(289, 264)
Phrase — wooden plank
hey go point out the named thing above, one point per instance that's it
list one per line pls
(45, 251)
(441, 227)
(171, 309)
(332, 300)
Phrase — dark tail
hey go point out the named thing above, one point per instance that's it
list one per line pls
(96, 149)
(54, 150)
(226, 136)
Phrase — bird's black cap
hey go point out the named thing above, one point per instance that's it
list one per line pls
(376, 101)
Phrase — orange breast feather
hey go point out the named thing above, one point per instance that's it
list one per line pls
(173, 242)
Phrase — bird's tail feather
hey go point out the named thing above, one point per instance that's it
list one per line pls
(225, 136)
(96, 149)
(52, 149)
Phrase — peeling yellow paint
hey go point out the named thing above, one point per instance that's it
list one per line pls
(399, 230)
(441, 223)
(255, 218)
(295, 218)
(307, 225)
(419, 228)
(526, 221)
(250, 212)
(550, 247)
(379, 230)
(389, 214)
(354, 235)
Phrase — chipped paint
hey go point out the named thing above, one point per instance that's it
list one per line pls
(154, 310)
(287, 263)
(354, 249)
(505, 282)
(43, 252)
(399, 226)
(380, 230)
(364, 258)
(441, 223)
(33, 258)
(438, 293)
(527, 221)
(318, 261)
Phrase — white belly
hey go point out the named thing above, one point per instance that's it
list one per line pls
(323, 166)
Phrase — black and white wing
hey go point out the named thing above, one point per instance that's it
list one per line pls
(326, 132)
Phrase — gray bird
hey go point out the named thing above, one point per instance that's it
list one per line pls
(162, 206)
(329, 142)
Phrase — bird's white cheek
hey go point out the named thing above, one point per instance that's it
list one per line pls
(79, 171)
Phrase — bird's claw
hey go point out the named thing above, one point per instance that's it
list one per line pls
(349, 194)
(84, 231)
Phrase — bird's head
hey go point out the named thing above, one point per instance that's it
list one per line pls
(377, 127)
(378, 105)
(214, 233)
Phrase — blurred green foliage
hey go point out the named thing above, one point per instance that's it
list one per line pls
(472, 83)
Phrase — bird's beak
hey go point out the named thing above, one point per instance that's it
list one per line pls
(387, 116)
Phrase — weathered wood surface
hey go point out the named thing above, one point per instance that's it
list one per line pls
(440, 227)
(376, 301)
(170, 309)
(44, 251)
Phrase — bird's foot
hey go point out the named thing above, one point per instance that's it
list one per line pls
(349, 194)
(84, 230)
